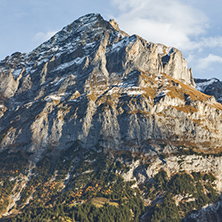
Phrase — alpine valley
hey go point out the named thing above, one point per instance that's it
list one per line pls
(97, 125)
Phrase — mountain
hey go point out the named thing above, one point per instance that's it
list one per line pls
(211, 87)
(92, 78)
(95, 123)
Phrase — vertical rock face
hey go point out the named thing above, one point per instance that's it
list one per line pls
(93, 83)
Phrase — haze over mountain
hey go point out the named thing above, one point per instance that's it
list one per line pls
(94, 90)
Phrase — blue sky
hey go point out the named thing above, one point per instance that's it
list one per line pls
(192, 26)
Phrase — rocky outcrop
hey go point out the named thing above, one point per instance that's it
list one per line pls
(175, 164)
(145, 170)
(93, 83)
(211, 87)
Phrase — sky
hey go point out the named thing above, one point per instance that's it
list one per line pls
(192, 26)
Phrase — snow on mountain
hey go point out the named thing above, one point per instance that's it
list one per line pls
(211, 87)
(93, 90)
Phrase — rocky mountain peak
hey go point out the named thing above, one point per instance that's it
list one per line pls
(93, 83)
(93, 103)
(114, 24)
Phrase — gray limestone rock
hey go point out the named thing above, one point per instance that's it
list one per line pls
(94, 83)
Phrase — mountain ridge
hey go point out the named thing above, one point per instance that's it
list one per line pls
(58, 73)
(95, 116)
(211, 86)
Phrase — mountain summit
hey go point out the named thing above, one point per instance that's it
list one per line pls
(95, 118)
(91, 82)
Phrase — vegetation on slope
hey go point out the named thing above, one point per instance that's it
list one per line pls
(85, 185)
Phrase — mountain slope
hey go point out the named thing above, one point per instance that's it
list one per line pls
(94, 118)
(92, 78)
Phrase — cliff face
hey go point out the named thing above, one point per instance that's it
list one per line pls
(94, 83)
(94, 96)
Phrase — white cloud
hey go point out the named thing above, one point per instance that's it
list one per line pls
(177, 23)
(210, 42)
(41, 36)
(206, 62)
(171, 22)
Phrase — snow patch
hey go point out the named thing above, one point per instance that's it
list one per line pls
(163, 93)
(59, 81)
(66, 65)
(134, 92)
(55, 49)
(90, 45)
(122, 43)
(203, 85)
(162, 49)
(16, 73)
(42, 61)
(125, 85)
(53, 97)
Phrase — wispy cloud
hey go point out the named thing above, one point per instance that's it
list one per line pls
(209, 42)
(174, 23)
(206, 62)
(41, 36)
(171, 22)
